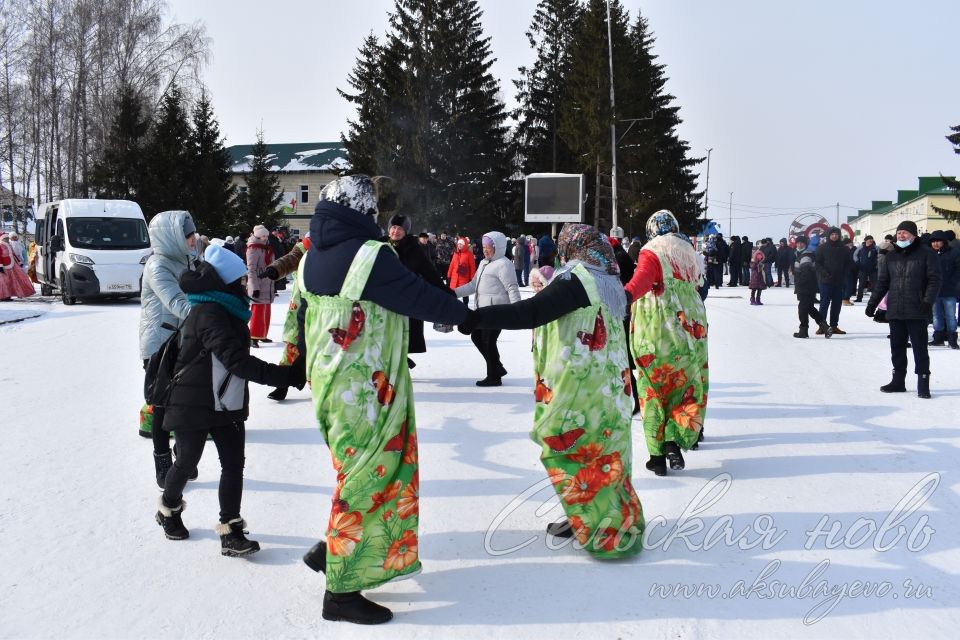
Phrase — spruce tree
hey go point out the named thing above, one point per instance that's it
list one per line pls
(210, 191)
(118, 173)
(541, 88)
(258, 204)
(954, 184)
(659, 170)
(166, 165)
(433, 120)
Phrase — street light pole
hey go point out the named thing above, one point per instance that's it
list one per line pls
(613, 127)
(706, 189)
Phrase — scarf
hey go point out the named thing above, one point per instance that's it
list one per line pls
(582, 244)
(234, 305)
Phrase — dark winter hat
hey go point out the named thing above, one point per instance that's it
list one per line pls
(425, 236)
(939, 235)
(909, 226)
(228, 265)
(801, 240)
(400, 220)
(189, 228)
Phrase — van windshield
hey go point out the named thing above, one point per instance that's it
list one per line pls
(108, 233)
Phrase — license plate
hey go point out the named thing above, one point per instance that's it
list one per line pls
(120, 287)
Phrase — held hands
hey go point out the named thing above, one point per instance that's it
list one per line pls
(871, 310)
(296, 376)
(469, 325)
(256, 294)
(269, 272)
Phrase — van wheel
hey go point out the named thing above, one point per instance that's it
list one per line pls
(67, 299)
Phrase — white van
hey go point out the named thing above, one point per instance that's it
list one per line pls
(91, 248)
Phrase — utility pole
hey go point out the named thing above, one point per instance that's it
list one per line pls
(706, 190)
(730, 223)
(613, 127)
(838, 215)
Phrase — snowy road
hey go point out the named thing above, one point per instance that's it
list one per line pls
(801, 537)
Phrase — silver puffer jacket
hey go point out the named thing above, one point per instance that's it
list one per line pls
(161, 300)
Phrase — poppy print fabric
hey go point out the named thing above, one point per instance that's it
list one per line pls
(582, 421)
(668, 337)
(362, 396)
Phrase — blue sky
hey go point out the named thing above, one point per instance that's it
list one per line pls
(805, 104)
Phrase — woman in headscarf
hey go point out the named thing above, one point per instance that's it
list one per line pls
(463, 266)
(358, 297)
(582, 391)
(261, 290)
(668, 337)
(13, 279)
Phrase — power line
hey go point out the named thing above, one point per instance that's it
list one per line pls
(759, 206)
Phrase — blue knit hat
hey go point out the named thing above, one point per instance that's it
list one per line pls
(226, 263)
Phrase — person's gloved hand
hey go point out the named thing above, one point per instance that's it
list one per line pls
(469, 325)
(256, 294)
(269, 272)
(926, 309)
(871, 310)
(296, 376)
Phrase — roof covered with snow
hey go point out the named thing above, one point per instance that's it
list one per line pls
(328, 157)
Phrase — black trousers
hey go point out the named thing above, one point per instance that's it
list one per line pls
(806, 310)
(783, 274)
(734, 275)
(831, 297)
(229, 441)
(916, 331)
(486, 342)
(862, 278)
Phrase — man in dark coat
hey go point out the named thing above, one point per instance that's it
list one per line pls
(746, 253)
(414, 255)
(805, 286)
(785, 261)
(735, 261)
(866, 261)
(769, 258)
(833, 260)
(945, 307)
(910, 279)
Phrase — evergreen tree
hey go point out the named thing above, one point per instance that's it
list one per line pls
(541, 88)
(585, 116)
(429, 114)
(118, 173)
(954, 184)
(166, 165)
(210, 191)
(659, 171)
(258, 204)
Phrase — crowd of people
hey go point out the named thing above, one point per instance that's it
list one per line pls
(619, 330)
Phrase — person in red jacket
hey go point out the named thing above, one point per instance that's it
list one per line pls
(463, 266)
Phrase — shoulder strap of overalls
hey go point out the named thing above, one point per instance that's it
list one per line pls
(360, 268)
(589, 285)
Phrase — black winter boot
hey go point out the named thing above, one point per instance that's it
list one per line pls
(802, 333)
(657, 464)
(489, 382)
(278, 394)
(938, 337)
(233, 542)
(560, 529)
(923, 386)
(826, 329)
(952, 340)
(897, 384)
(162, 463)
(674, 455)
(169, 518)
(353, 607)
(316, 558)
(696, 445)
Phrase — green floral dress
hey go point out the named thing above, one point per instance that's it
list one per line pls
(668, 337)
(363, 399)
(582, 420)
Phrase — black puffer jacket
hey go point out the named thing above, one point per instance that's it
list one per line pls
(833, 260)
(805, 275)
(215, 350)
(413, 256)
(911, 280)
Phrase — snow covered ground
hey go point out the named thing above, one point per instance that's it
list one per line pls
(798, 438)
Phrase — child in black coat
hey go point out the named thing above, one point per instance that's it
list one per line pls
(806, 287)
(210, 395)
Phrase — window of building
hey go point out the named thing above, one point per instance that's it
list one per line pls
(304, 194)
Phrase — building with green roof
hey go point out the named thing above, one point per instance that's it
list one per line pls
(917, 205)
